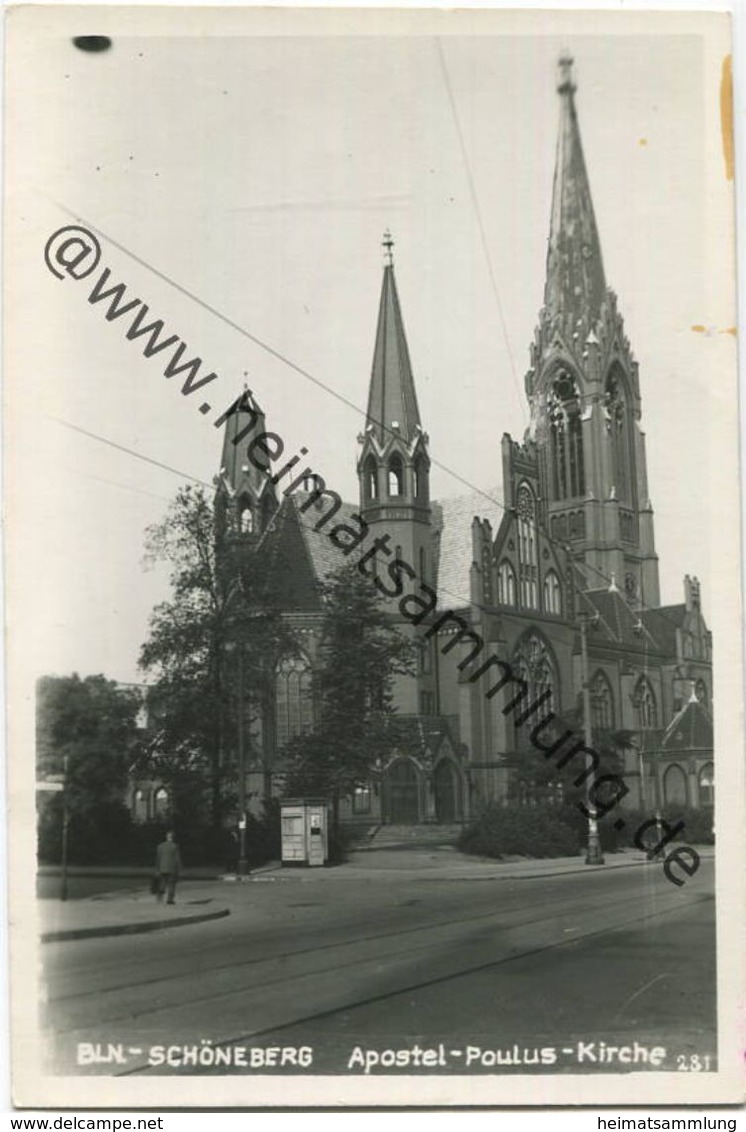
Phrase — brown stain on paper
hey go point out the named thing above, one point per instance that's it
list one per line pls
(710, 330)
(726, 114)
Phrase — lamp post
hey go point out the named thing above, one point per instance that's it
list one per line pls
(65, 828)
(242, 864)
(593, 856)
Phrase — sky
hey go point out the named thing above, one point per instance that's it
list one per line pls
(258, 172)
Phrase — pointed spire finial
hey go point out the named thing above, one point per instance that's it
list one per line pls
(388, 244)
(565, 80)
(391, 394)
(575, 284)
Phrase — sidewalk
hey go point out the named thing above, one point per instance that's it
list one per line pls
(126, 913)
(209, 896)
(445, 863)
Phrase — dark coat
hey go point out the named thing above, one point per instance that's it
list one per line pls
(168, 858)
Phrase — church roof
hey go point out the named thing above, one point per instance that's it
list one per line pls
(575, 281)
(291, 566)
(392, 398)
(663, 623)
(619, 623)
(325, 556)
(690, 730)
(616, 620)
(452, 522)
(651, 630)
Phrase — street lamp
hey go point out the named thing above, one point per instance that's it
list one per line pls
(242, 864)
(65, 828)
(240, 753)
(593, 856)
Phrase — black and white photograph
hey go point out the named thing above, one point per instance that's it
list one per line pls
(373, 558)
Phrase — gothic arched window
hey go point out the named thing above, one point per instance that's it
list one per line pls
(396, 476)
(674, 786)
(645, 705)
(577, 464)
(617, 427)
(420, 480)
(294, 714)
(506, 584)
(707, 785)
(527, 557)
(160, 802)
(700, 691)
(602, 702)
(246, 522)
(566, 432)
(140, 806)
(533, 664)
(552, 593)
(371, 478)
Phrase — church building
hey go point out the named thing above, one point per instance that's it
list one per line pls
(564, 548)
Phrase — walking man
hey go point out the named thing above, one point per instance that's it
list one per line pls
(167, 867)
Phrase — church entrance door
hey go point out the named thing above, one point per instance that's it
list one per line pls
(402, 790)
(447, 801)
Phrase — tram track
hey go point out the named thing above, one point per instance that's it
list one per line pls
(318, 1016)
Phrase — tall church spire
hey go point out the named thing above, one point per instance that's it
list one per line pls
(575, 282)
(584, 389)
(392, 400)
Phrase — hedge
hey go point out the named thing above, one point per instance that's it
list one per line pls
(108, 836)
(562, 831)
(531, 831)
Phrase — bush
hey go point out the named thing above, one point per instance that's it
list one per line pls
(531, 831)
(560, 831)
(697, 825)
(108, 836)
(263, 840)
(610, 838)
(95, 837)
(340, 840)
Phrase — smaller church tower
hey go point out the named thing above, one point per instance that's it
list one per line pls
(394, 466)
(245, 497)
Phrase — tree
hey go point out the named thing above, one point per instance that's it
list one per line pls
(538, 777)
(361, 651)
(221, 602)
(88, 727)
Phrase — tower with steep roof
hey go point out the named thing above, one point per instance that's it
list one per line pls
(584, 391)
(245, 497)
(394, 464)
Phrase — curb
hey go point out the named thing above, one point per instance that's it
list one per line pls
(131, 929)
(566, 872)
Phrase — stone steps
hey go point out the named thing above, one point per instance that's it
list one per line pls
(413, 836)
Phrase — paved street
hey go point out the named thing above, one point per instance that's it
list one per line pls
(392, 961)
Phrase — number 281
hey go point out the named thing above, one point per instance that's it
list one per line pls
(692, 1063)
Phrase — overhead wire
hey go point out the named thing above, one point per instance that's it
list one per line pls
(149, 460)
(460, 598)
(316, 381)
(480, 222)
